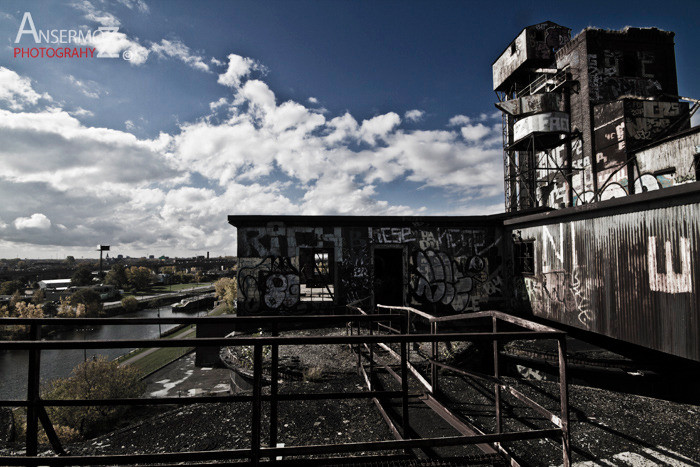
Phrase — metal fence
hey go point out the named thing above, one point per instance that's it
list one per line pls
(258, 453)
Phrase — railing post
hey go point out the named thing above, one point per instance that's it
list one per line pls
(496, 374)
(33, 381)
(564, 401)
(257, 392)
(274, 387)
(404, 380)
(358, 349)
(434, 356)
(371, 357)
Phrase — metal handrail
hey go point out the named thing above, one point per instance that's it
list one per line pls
(256, 453)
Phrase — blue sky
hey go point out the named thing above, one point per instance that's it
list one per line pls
(242, 107)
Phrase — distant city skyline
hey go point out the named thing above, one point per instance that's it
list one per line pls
(247, 107)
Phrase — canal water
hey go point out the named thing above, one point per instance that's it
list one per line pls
(60, 363)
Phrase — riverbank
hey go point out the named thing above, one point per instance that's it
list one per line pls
(149, 360)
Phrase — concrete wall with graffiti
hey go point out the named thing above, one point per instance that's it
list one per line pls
(632, 274)
(450, 269)
(447, 268)
(624, 126)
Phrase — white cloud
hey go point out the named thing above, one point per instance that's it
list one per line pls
(238, 68)
(140, 5)
(474, 132)
(93, 14)
(180, 51)
(88, 88)
(80, 112)
(378, 127)
(257, 156)
(313, 100)
(459, 120)
(216, 62)
(35, 221)
(223, 102)
(414, 115)
(17, 91)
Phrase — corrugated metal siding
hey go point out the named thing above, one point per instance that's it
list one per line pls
(595, 274)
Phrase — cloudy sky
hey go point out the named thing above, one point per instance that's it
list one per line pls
(261, 107)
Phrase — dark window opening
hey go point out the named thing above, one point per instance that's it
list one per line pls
(524, 258)
(696, 163)
(316, 275)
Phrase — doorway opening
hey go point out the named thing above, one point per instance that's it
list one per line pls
(388, 276)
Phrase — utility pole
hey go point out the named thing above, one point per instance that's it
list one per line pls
(102, 248)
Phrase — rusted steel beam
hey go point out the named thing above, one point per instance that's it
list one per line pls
(33, 380)
(252, 320)
(564, 402)
(390, 423)
(199, 399)
(404, 389)
(456, 423)
(524, 323)
(496, 375)
(267, 340)
(257, 406)
(50, 432)
(422, 314)
(534, 405)
(434, 356)
(178, 457)
(274, 389)
(411, 368)
(410, 443)
(389, 328)
(471, 374)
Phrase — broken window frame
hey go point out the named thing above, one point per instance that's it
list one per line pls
(316, 275)
(524, 258)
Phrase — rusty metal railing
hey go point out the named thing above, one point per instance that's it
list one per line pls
(533, 331)
(256, 453)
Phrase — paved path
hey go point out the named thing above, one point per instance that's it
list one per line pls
(201, 288)
(139, 356)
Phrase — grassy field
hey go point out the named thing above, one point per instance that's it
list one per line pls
(162, 356)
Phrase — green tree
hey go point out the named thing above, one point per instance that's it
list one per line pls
(117, 276)
(227, 291)
(89, 299)
(96, 379)
(38, 297)
(10, 287)
(15, 299)
(70, 260)
(130, 303)
(83, 276)
(139, 277)
(20, 310)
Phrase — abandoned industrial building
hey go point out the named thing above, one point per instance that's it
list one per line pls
(599, 240)
(587, 123)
